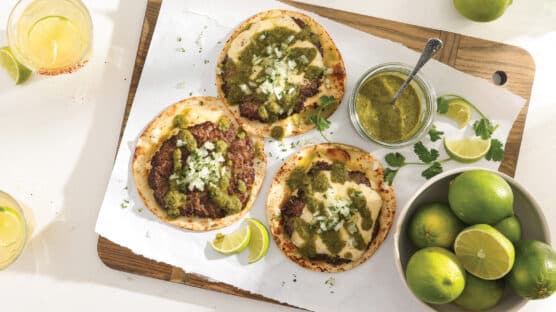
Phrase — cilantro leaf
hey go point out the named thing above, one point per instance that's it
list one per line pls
(395, 159)
(433, 170)
(434, 134)
(484, 128)
(441, 105)
(325, 101)
(320, 123)
(389, 175)
(425, 154)
(496, 151)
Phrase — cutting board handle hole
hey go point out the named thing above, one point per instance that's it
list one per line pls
(499, 77)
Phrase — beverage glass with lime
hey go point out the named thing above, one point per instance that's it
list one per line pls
(50, 36)
(13, 230)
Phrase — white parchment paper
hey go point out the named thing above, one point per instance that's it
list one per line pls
(181, 62)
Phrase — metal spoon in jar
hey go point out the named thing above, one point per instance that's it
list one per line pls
(433, 46)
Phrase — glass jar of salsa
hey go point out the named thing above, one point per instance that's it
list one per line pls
(388, 124)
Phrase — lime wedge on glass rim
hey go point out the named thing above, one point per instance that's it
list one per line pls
(466, 150)
(459, 111)
(258, 245)
(484, 252)
(232, 243)
(11, 226)
(16, 70)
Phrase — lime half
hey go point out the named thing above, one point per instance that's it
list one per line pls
(467, 150)
(258, 245)
(484, 252)
(232, 243)
(16, 70)
(459, 111)
(11, 227)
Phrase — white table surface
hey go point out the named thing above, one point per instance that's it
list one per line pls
(58, 165)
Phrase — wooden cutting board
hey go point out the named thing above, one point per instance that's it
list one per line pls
(485, 59)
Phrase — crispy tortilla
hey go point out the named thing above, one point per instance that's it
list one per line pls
(198, 110)
(333, 83)
(354, 159)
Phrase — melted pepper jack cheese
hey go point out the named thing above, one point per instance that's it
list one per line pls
(338, 221)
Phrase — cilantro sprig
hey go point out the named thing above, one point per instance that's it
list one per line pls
(483, 128)
(496, 151)
(435, 134)
(320, 122)
(428, 157)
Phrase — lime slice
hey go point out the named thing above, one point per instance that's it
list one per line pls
(11, 226)
(460, 111)
(484, 252)
(467, 150)
(232, 243)
(16, 70)
(258, 245)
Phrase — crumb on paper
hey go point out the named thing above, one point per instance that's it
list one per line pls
(140, 210)
(331, 281)
(206, 61)
(180, 85)
(125, 203)
(179, 39)
(182, 50)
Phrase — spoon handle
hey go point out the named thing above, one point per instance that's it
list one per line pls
(432, 46)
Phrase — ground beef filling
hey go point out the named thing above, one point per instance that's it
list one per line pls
(293, 208)
(240, 153)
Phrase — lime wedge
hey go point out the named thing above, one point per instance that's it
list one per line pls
(16, 70)
(258, 245)
(467, 150)
(484, 252)
(232, 243)
(11, 226)
(459, 111)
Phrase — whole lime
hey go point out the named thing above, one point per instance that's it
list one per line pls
(480, 294)
(435, 275)
(533, 275)
(479, 196)
(510, 227)
(434, 225)
(482, 10)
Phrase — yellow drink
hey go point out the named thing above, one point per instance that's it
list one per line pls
(50, 36)
(13, 230)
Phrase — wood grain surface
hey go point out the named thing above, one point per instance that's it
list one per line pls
(474, 56)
